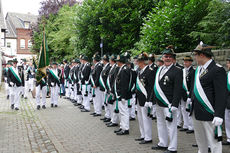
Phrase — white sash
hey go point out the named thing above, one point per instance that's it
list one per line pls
(228, 81)
(200, 94)
(185, 82)
(55, 76)
(140, 87)
(158, 91)
(16, 75)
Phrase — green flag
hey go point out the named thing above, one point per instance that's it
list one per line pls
(43, 60)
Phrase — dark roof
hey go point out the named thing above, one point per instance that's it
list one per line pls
(16, 20)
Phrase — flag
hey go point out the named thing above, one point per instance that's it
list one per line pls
(43, 60)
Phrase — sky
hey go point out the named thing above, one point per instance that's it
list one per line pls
(21, 6)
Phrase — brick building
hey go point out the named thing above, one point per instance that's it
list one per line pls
(18, 36)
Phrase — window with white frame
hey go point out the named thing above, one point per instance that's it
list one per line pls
(29, 44)
(8, 45)
(27, 25)
(22, 43)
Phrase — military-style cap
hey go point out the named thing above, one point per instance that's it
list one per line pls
(121, 58)
(24, 60)
(54, 63)
(143, 57)
(160, 59)
(113, 57)
(65, 60)
(204, 48)
(15, 60)
(96, 57)
(152, 57)
(85, 58)
(188, 58)
(228, 59)
(9, 62)
(105, 57)
(77, 60)
(169, 50)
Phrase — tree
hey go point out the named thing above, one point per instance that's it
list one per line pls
(170, 23)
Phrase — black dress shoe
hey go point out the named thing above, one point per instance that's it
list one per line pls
(190, 131)
(52, 105)
(75, 104)
(178, 126)
(123, 132)
(43, 106)
(38, 107)
(157, 147)
(107, 123)
(55, 105)
(117, 130)
(92, 113)
(12, 106)
(16, 108)
(194, 145)
(145, 142)
(226, 143)
(112, 125)
(107, 120)
(8, 97)
(81, 107)
(139, 139)
(169, 151)
(132, 119)
(103, 118)
(95, 115)
(154, 118)
(182, 130)
(84, 110)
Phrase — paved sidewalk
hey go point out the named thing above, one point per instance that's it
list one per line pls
(67, 130)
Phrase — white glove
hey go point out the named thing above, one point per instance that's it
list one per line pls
(52, 84)
(189, 101)
(217, 121)
(123, 100)
(173, 109)
(11, 83)
(146, 104)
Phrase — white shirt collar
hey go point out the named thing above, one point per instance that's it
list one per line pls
(205, 66)
(143, 69)
(168, 67)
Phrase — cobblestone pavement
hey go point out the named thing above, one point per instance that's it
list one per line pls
(67, 130)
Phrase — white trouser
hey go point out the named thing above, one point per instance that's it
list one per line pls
(97, 100)
(107, 110)
(71, 91)
(227, 124)
(153, 110)
(25, 89)
(185, 114)
(124, 114)
(205, 137)
(11, 91)
(43, 91)
(54, 94)
(31, 83)
(75, 92)
(15, 95)
(67, 89)
(132, 109)
(179, 116)
(115, 116)
(145, 123)
(166, 130)
(86, 100)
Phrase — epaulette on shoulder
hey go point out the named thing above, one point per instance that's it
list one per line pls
(218, 65)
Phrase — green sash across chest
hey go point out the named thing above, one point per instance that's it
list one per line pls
(203, 100)
(54, 75)
(228, 81)
(140, 87)
(158, 91)
(200, 94)
(16, 75)
(161, 96)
